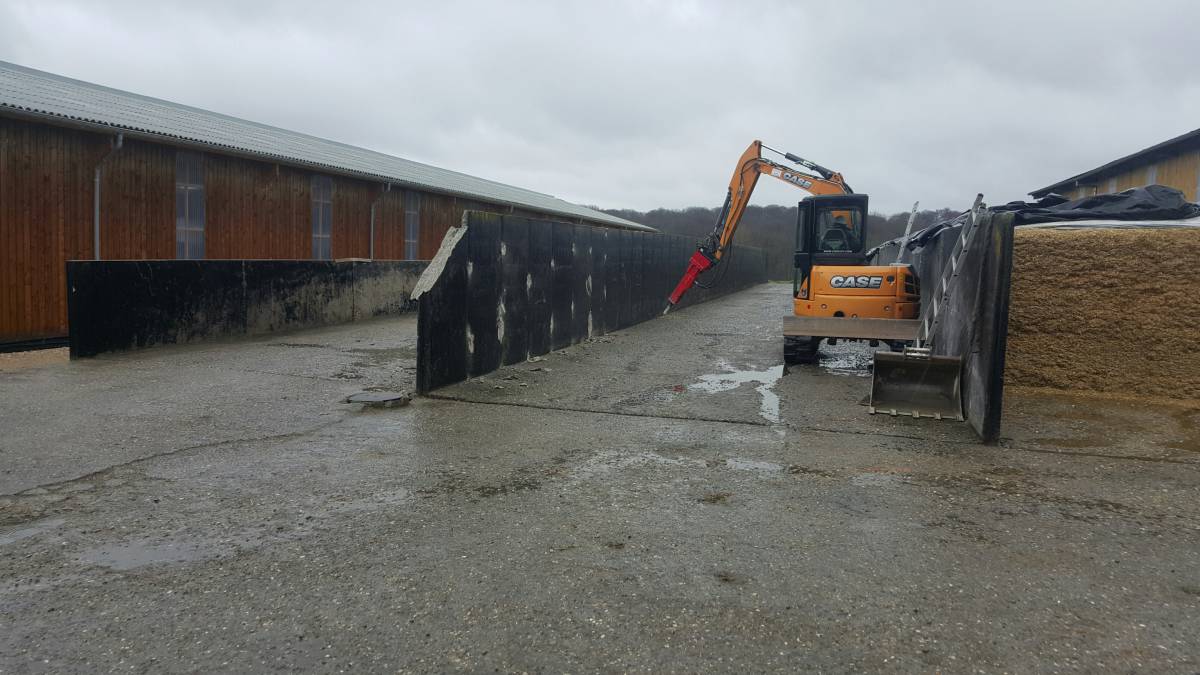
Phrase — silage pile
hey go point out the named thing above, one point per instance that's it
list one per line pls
(1106, 310)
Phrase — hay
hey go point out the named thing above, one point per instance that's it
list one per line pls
(1106, 311)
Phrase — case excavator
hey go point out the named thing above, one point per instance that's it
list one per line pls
(836, 295)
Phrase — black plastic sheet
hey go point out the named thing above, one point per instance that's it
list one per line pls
(1153, 202)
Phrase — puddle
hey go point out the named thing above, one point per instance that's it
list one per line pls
(141, 553)
(766, 379)
(9, 535)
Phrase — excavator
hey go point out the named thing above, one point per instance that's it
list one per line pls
(835, 294)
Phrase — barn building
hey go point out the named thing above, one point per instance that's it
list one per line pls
(89, 172)
(1174, 163)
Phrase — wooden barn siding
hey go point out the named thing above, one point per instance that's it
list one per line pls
(1180, 171)
(45, 219)
(1130, 179)
(438, 214)
(352, 217)
(137, 203)
(256, 210)
(252, 210)
(389, 225)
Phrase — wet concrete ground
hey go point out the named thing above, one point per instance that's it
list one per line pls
(652, 500)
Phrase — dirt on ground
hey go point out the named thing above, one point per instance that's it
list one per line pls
(1114, 311)
(10, 361)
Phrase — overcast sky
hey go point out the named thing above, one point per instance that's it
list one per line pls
(647, 104)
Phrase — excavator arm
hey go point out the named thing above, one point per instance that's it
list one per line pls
(750, 166)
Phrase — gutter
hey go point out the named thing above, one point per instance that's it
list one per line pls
(116, 145)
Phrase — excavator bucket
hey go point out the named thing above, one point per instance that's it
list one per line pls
(917, 384)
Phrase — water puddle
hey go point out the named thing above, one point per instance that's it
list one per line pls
(9, 535)
(766, 379)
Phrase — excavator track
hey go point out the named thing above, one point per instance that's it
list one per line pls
(799, 350)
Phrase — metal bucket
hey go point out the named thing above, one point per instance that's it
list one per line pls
(915, 383)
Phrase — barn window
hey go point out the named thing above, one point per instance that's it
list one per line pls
(1152, 174)
(189, 206)
(412, 224)
(322, 217)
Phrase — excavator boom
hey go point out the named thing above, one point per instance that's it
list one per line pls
(750, 166)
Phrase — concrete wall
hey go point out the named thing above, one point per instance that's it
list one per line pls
(509, 288)
(115, 305)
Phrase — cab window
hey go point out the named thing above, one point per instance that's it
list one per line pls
(839, 230)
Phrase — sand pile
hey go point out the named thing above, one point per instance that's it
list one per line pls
(1114, 311)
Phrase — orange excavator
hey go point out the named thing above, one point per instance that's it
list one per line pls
(836, 295)
(750, 166)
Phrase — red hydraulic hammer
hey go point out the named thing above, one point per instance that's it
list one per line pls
(699, 263)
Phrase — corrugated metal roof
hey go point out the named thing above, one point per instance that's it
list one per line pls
(1122, 163)
(56, 99)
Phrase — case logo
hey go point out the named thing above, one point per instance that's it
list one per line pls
(792, 177)
(839, 281)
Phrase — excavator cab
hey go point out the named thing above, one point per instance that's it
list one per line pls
(830, 230)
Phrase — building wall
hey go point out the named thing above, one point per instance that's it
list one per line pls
(253, 210)
(389, 226)
(137, 203)
(1180, 171)
(45, 219)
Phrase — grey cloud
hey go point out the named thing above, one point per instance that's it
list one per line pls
(645, 104)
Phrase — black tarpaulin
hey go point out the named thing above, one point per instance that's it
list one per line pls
(1153, 202)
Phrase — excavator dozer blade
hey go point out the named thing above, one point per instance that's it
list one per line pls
(916, 384)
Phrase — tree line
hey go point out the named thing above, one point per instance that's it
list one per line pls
(772, 228)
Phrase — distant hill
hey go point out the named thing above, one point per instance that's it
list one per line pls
(770, 227)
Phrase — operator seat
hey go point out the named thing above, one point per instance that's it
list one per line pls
(835, 240)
